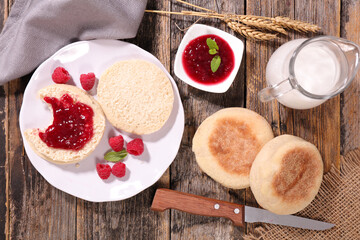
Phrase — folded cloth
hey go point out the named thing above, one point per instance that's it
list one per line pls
(36, 29)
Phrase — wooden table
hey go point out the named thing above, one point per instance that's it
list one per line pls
(30, 208)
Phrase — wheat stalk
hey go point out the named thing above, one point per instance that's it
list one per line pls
(250, 32)
(295, 25)
(195, 6)
(254, 27)
(260, 23)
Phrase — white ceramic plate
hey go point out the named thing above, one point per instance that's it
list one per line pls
(198, 30)
(82, 181)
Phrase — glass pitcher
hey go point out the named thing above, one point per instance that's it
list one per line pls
(304, 73)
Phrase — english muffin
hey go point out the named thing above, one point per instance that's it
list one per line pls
(286, 174)
(226, 144)
(72, 147)
(136, 96)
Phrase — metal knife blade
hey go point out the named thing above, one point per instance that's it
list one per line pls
(239, 214)
(260, 215)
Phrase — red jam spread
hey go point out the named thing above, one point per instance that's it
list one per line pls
(196, 60)
(72, 127)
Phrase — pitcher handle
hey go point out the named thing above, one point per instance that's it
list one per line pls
(269, 93)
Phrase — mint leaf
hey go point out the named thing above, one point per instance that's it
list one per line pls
(215, 63)
(115, 156)
(212, 44)
(212, 51)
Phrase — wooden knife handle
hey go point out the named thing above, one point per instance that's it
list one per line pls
(166, 198)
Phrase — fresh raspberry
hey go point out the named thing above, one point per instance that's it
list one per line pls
(116, 143)
(135, 147)
(87, 81)
(104, 170)
(119, 169)
(60, 75)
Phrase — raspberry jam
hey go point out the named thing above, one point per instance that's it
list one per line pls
(196, 60)
(72, 127)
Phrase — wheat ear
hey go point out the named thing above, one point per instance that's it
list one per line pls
(249, 32)
(295, 25)
(260, 23)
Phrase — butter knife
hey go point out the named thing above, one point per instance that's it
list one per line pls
(237, 213)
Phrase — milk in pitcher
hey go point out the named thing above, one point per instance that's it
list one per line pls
(316, 69)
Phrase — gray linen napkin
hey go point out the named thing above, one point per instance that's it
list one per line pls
(36, 29)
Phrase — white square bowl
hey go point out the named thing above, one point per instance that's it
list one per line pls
(198, 30)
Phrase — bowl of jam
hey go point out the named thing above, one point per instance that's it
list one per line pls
(208, 58)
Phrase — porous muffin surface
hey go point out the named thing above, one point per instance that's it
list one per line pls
(233, 145)
(295, 177)
(136, 96)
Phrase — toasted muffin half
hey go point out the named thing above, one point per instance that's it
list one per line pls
(227, 142)
(286, 174)
(136, 96)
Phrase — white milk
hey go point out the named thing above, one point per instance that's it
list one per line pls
(316, 70)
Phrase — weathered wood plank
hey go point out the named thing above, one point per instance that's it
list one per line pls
(128, 219)
(186, 176)
(350, 104)
(257, 56)
(321, 125)
(4, 210)
(3, 175)
(3, 13)
(132, 218)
